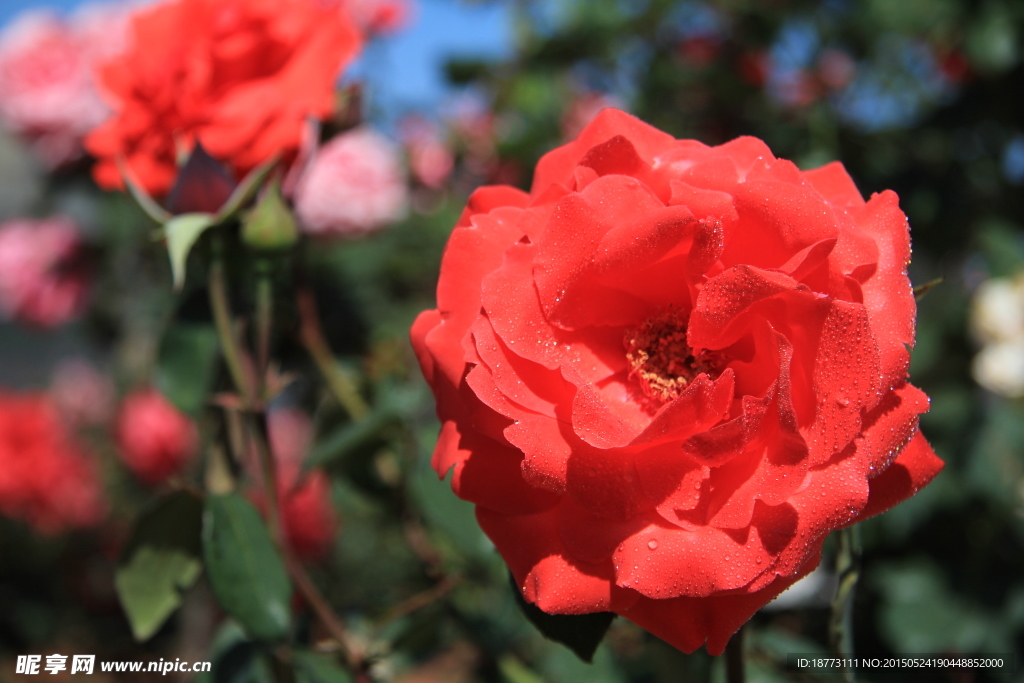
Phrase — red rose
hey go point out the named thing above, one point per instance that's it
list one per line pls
(156, 439)
(308, 519)
(241, 75)
(45, 478)
(670, 370)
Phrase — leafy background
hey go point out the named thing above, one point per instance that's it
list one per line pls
(920, 96)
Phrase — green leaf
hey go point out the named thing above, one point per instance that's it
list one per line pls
(921, 290)
(148, 205)
(245, 570)
(581, 633)
(314, 668)
(182, 232)
(395, 405)
(186, 364)
(246, 190)
(160, 561)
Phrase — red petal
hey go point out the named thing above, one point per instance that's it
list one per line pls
(557, 165)
(532, 547)
(835, 185)
(887, 294)
(916, 465)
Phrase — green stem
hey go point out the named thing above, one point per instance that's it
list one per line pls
(264, 317)
(734, 671)
(840, 624)
(269, 470)
(338, 381)
(225, 332)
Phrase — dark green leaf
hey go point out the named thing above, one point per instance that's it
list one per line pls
(186, 365)
(245, 570)
(921, 290)
(355, 434)
(581, 633)
(160, 560)
(314, 668)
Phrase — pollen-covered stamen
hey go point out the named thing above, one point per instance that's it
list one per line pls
(661, 361)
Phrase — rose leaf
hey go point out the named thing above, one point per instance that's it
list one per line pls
(160, 561)
(246, 573)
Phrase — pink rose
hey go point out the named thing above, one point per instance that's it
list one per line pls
(156, 439)
(43, 276)
(47, 91)
(354, 184)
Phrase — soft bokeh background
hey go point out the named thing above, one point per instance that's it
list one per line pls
(919, 96)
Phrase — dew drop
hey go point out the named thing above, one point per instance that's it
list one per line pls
(652, 544)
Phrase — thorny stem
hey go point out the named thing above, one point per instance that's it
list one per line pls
(840, 625)
(421, 600)
(222, 320)
(353, 657)
(734, 672)
(264, 318)
(316, 344)
(257, 423)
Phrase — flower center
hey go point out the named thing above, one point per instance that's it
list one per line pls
(661, 361)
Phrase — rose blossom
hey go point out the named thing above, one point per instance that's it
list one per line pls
(45, 479)
(47, 91)
(43, 278)
(155, 439)
(354, 184)
(243, 76)
(670, 370)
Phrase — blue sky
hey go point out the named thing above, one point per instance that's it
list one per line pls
(404, 70)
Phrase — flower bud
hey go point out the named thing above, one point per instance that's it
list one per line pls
(270, 225)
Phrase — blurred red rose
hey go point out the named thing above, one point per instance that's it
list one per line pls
(354, 184)
(47, 91)
(670, 370)
(44, 278)
(45, 478)
(241, 75)
(308, 519)
(155, 439)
